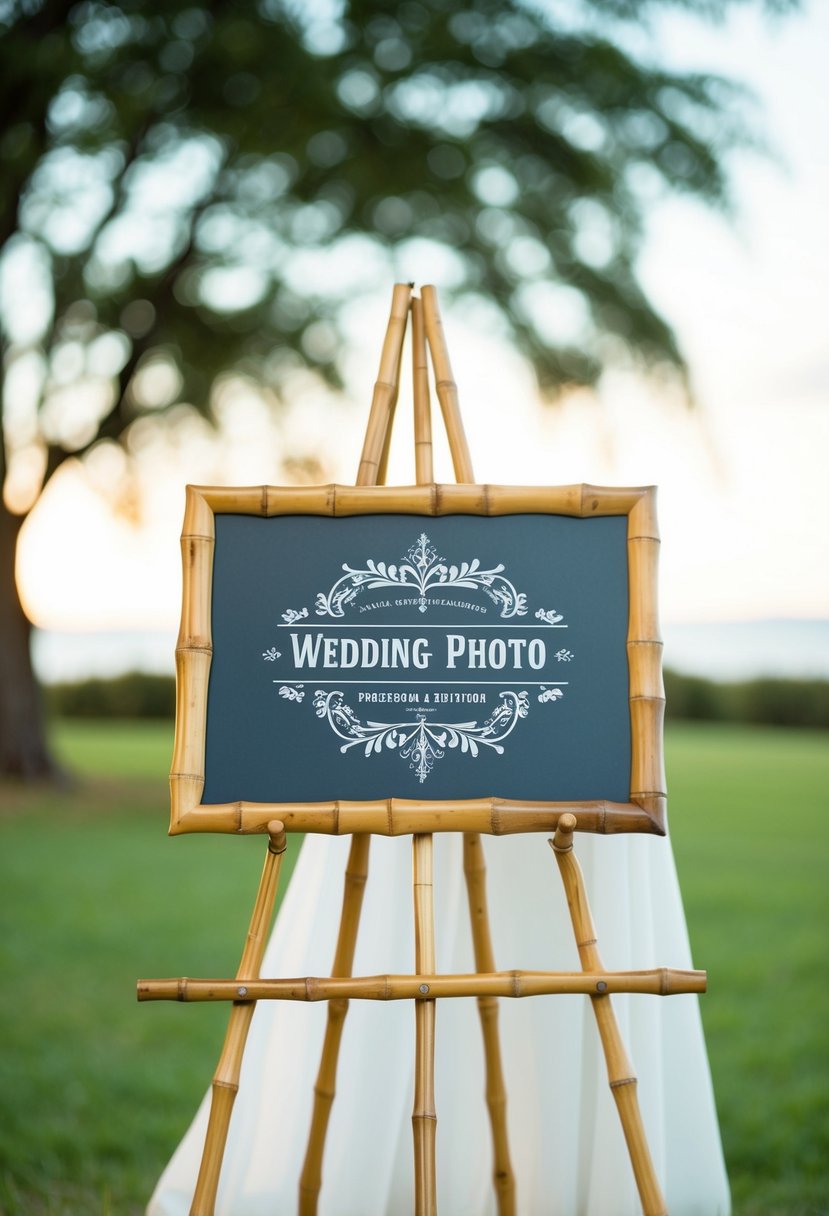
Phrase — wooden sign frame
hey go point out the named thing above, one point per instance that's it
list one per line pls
(643, 812)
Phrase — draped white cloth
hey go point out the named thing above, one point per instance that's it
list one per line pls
(566, 1143)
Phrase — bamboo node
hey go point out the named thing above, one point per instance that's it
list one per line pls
(563, 841)
(622, 1081)
(278, 841)
(230, 1085)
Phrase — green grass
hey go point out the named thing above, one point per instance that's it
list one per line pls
(750, 825)
(95, 1090)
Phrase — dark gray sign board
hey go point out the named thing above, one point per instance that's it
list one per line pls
(346, 655)
(401, 656)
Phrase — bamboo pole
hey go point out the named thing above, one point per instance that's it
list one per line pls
(385, 388)
(384, 459)
(372, 464)
(424, 1115)
(403, 817)
(474, 868)
(326, 1084)
(657, 981)
(424, 473)
(580, 501)
(496, 1094)
(620, 1074)
(226, 1077)
(447, 389)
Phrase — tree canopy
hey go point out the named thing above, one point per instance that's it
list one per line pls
(193, 187)
(190, 187)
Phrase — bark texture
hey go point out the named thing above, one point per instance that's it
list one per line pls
(24, 752)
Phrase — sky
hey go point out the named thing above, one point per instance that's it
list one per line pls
(744, 496)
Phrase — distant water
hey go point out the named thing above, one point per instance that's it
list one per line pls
(738, 650)
(60, 657)
(733, 650)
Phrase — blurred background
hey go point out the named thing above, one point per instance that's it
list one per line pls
(203, 209)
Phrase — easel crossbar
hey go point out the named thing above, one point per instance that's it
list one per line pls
(406, 817)
(658, 981)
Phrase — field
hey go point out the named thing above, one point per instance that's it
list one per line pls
(96, 1090)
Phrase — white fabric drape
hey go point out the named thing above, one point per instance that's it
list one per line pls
(566, 1143)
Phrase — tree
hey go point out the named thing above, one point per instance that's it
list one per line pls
(193, 187)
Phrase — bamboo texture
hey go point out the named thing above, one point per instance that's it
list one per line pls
(474, 868)
(403, 817)
(424, 474)
(326, 1084)
(445, 385)
(503, 1176)
(384, 458)
(657, 981)
(372, 465)
(580, 501)
(424, 1114)
(226, 1077)
(620, 1074)
(385, 388)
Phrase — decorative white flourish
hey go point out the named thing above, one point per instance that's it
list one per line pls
(421, 742)
(293, 615)
(422, 571)
(564, 656)
(550, 694)
(550, 617)
(271, 655)
(292, 693)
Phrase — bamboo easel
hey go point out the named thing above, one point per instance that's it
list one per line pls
(424, 987)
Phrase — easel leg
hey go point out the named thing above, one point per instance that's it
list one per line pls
(226, 1077)
(474, 869)
(424, 1115)
(619, 1069)
(326, 1085)
(373, 460)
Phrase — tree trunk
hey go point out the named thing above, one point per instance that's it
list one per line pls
(24, 752)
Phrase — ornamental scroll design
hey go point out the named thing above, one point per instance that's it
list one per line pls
(421, 742)
(422, 572)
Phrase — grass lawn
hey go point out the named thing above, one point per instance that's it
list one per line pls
(95, 1090)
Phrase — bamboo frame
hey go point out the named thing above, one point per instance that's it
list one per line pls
(657, 981)
(645, 810)
(226, 1076)
(620, 1074)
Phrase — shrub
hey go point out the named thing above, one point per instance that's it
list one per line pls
(768, 701)
(134, 695)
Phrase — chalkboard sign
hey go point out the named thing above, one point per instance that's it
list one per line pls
(340, 646)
